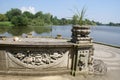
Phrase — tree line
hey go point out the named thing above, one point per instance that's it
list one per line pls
(113, 24)
(17, 18)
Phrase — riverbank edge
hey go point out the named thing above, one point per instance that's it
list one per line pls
(6, 24)
(106, 44)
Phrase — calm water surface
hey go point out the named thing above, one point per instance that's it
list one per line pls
(105, 34)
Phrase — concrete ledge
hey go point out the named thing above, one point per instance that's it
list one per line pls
(35, 73)
(107, 44)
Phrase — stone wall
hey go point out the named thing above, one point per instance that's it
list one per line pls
(27, 59)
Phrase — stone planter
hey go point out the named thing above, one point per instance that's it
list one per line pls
(81, 30)
(80, 33)
(2, 37)
(29, 35)
(59, 36)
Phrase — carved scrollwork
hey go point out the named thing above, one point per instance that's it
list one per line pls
(38, 57)
(99, 67)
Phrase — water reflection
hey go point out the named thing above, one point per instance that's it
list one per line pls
(4, 30)
(40, 30)
(105, 34)
(19, 31)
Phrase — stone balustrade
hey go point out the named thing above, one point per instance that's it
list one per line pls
(56, 57)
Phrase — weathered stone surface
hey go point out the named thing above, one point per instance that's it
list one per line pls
(109, 55)
(82, 60)
(99, 67)
(42, 55)
(2, 55)
(37, 57)
(3, 65)
(3, 61)
(80, 34)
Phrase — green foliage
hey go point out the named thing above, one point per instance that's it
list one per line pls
(13, 12)
(3, 17)
(75, 20)
(55, 20)
(6, 24)
(37, 22)
(64, 21)
(113, 24)
(39, 14)
(17, 18)
(86, 21)
(19, 21)
(79, 16)
(41, 19)
(47, 18)
(28, 15)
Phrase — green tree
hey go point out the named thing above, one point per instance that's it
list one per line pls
(39, 14)
(47, 18)
(111, 23)
(28, 14)
(19, 21)
(12, 13)
(37, 22)
(63, 21)
(3, 17)
(98, 23)
(55, 20)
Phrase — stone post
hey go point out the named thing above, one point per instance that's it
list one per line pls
(83, 50)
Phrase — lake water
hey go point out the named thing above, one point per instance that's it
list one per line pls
(105, 34)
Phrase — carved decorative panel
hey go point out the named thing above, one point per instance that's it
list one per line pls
(38, 58)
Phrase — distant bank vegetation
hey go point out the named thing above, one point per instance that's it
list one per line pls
(15, 17)
(112, 24)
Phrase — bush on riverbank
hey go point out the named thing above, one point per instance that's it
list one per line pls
(6, 23)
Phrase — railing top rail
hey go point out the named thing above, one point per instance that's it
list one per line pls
(37, 44)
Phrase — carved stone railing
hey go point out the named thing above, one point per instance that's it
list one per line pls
(51, 56)
(31, 57)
